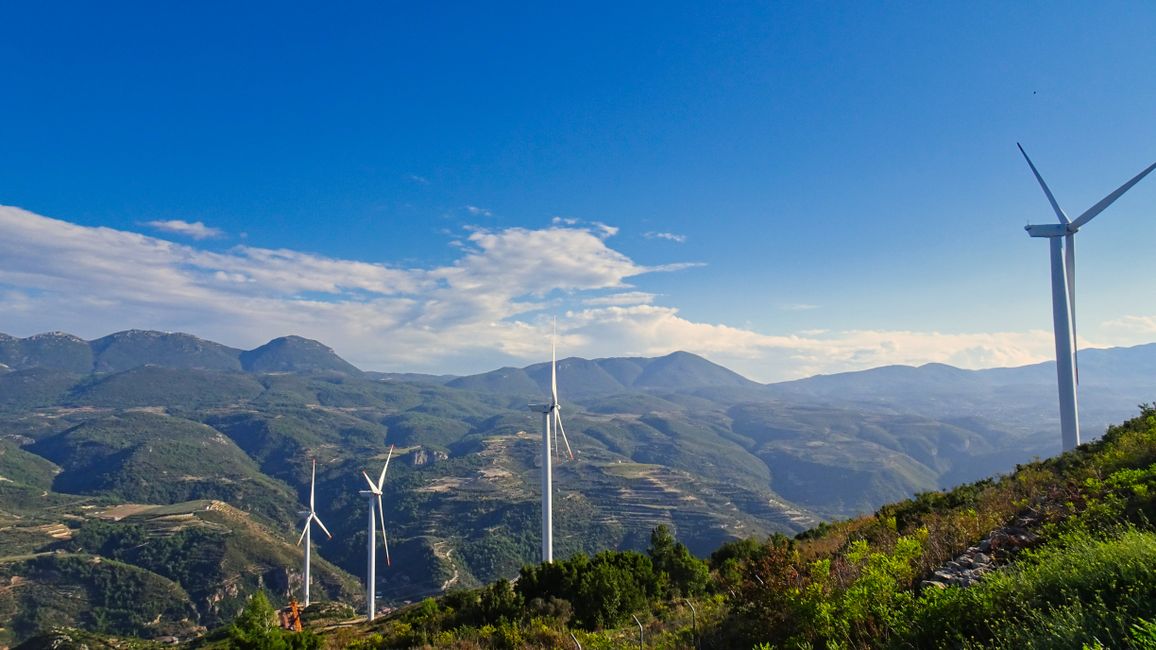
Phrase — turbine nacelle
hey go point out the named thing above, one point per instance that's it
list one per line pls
(1050, 229)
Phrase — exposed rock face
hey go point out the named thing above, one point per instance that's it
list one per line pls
(423, 456)
(979, 560)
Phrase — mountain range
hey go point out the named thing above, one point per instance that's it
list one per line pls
(133, 348)
(150, 422)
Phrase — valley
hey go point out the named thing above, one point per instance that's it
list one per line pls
(121, 452)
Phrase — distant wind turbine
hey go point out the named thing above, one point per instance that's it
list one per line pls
(1063, 248)
(374, 494)
(551, 421)
(311, 517)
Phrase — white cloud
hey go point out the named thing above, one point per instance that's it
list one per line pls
(1144, 325)
(607, 231)
(196, 230)
(797, 306)
(416, 180)
(478, 212)
(489, 307)
(622, 298)
(669, 236)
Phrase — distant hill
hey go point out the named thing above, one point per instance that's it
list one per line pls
(589, 378)
(295, 354)
(1021, 401)
(1108, 367)
(414, 377)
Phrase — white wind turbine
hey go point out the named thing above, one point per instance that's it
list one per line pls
(551, 421)
(374, 493)
(1063, 248)
(310, 517)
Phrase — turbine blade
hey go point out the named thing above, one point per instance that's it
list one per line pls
(312, 483)
(1051, 199)
(372, 487)
(304, 530)
(384, 539)
(318, 520)
(557, 451)
(554, 363)
(558, 420)
(381, 479)
(1070, 270)
(1111, 198)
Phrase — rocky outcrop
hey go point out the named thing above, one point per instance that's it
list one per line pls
(423, 456)
(979, 560)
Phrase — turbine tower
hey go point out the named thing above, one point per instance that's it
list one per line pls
(374, 494)
(1063, 254)
(551, 424)
(310, 517)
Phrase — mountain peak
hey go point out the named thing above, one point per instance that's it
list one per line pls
(54, 335)
(295, 354)
(57, 350)
(133, 348)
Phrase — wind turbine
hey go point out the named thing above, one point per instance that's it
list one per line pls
(1063, 249)
(374, 493)
(551, 422)
(305, 534)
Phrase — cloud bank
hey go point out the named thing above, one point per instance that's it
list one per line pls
(491, 306)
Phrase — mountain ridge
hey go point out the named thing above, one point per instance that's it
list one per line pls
(129, 349)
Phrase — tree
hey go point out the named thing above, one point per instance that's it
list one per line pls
(255, 629)
(680, 572)
(500, 602)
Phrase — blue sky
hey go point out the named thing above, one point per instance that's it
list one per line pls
(786, 188)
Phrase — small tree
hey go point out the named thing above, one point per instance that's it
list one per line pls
(256, 618)
(255, 629)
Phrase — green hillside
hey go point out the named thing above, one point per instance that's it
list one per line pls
(34, 388)
(80, 590)
(148, 570)
(18, 466)
(152, 458)
(170, 388)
